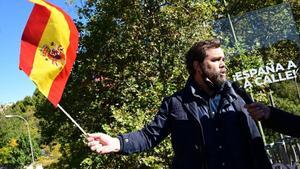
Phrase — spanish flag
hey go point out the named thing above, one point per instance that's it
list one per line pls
(48, 49)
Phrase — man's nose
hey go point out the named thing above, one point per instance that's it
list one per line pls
(222, 64)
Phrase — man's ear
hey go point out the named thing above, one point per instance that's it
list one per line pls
(196, 66)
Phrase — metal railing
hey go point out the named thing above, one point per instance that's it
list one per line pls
(284, 153)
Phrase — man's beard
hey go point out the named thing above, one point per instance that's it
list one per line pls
(213, 80)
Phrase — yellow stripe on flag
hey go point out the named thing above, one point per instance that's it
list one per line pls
(45, 70)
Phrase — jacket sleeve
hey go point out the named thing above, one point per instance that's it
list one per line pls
(152, 133)
(283, 122)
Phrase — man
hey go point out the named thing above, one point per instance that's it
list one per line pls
(275, 119)
(208, 128)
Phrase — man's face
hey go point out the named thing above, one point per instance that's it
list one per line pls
(213, 66)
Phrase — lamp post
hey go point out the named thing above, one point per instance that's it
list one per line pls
(27, 124)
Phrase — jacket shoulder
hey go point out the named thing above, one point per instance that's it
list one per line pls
(177, 97)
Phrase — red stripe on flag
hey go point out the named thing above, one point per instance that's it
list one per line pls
(60, 81)
(32, 35)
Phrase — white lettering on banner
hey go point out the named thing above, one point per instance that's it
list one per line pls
(291, 64)
(266, 75)
(247, 84)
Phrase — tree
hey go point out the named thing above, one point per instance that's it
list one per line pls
(14, 144)
(131, 56)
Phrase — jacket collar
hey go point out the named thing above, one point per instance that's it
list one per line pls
(196, 91)
(227, 93)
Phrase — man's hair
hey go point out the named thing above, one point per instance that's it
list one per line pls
(197, 53)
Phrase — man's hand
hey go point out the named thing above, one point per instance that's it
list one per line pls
(258, 111)
(103, 143)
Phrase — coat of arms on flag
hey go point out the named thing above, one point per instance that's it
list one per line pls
(54, 53)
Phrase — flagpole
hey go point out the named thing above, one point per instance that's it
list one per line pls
(72, 119)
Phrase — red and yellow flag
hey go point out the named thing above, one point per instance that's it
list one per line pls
(48, 49)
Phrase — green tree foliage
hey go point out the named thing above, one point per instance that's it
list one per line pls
(286, 97)
(131, 56)
(14, 144)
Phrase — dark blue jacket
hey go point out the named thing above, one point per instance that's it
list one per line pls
(181, 116)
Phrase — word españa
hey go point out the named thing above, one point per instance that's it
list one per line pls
(268, 74)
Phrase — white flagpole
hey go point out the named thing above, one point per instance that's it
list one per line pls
(72, 120)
